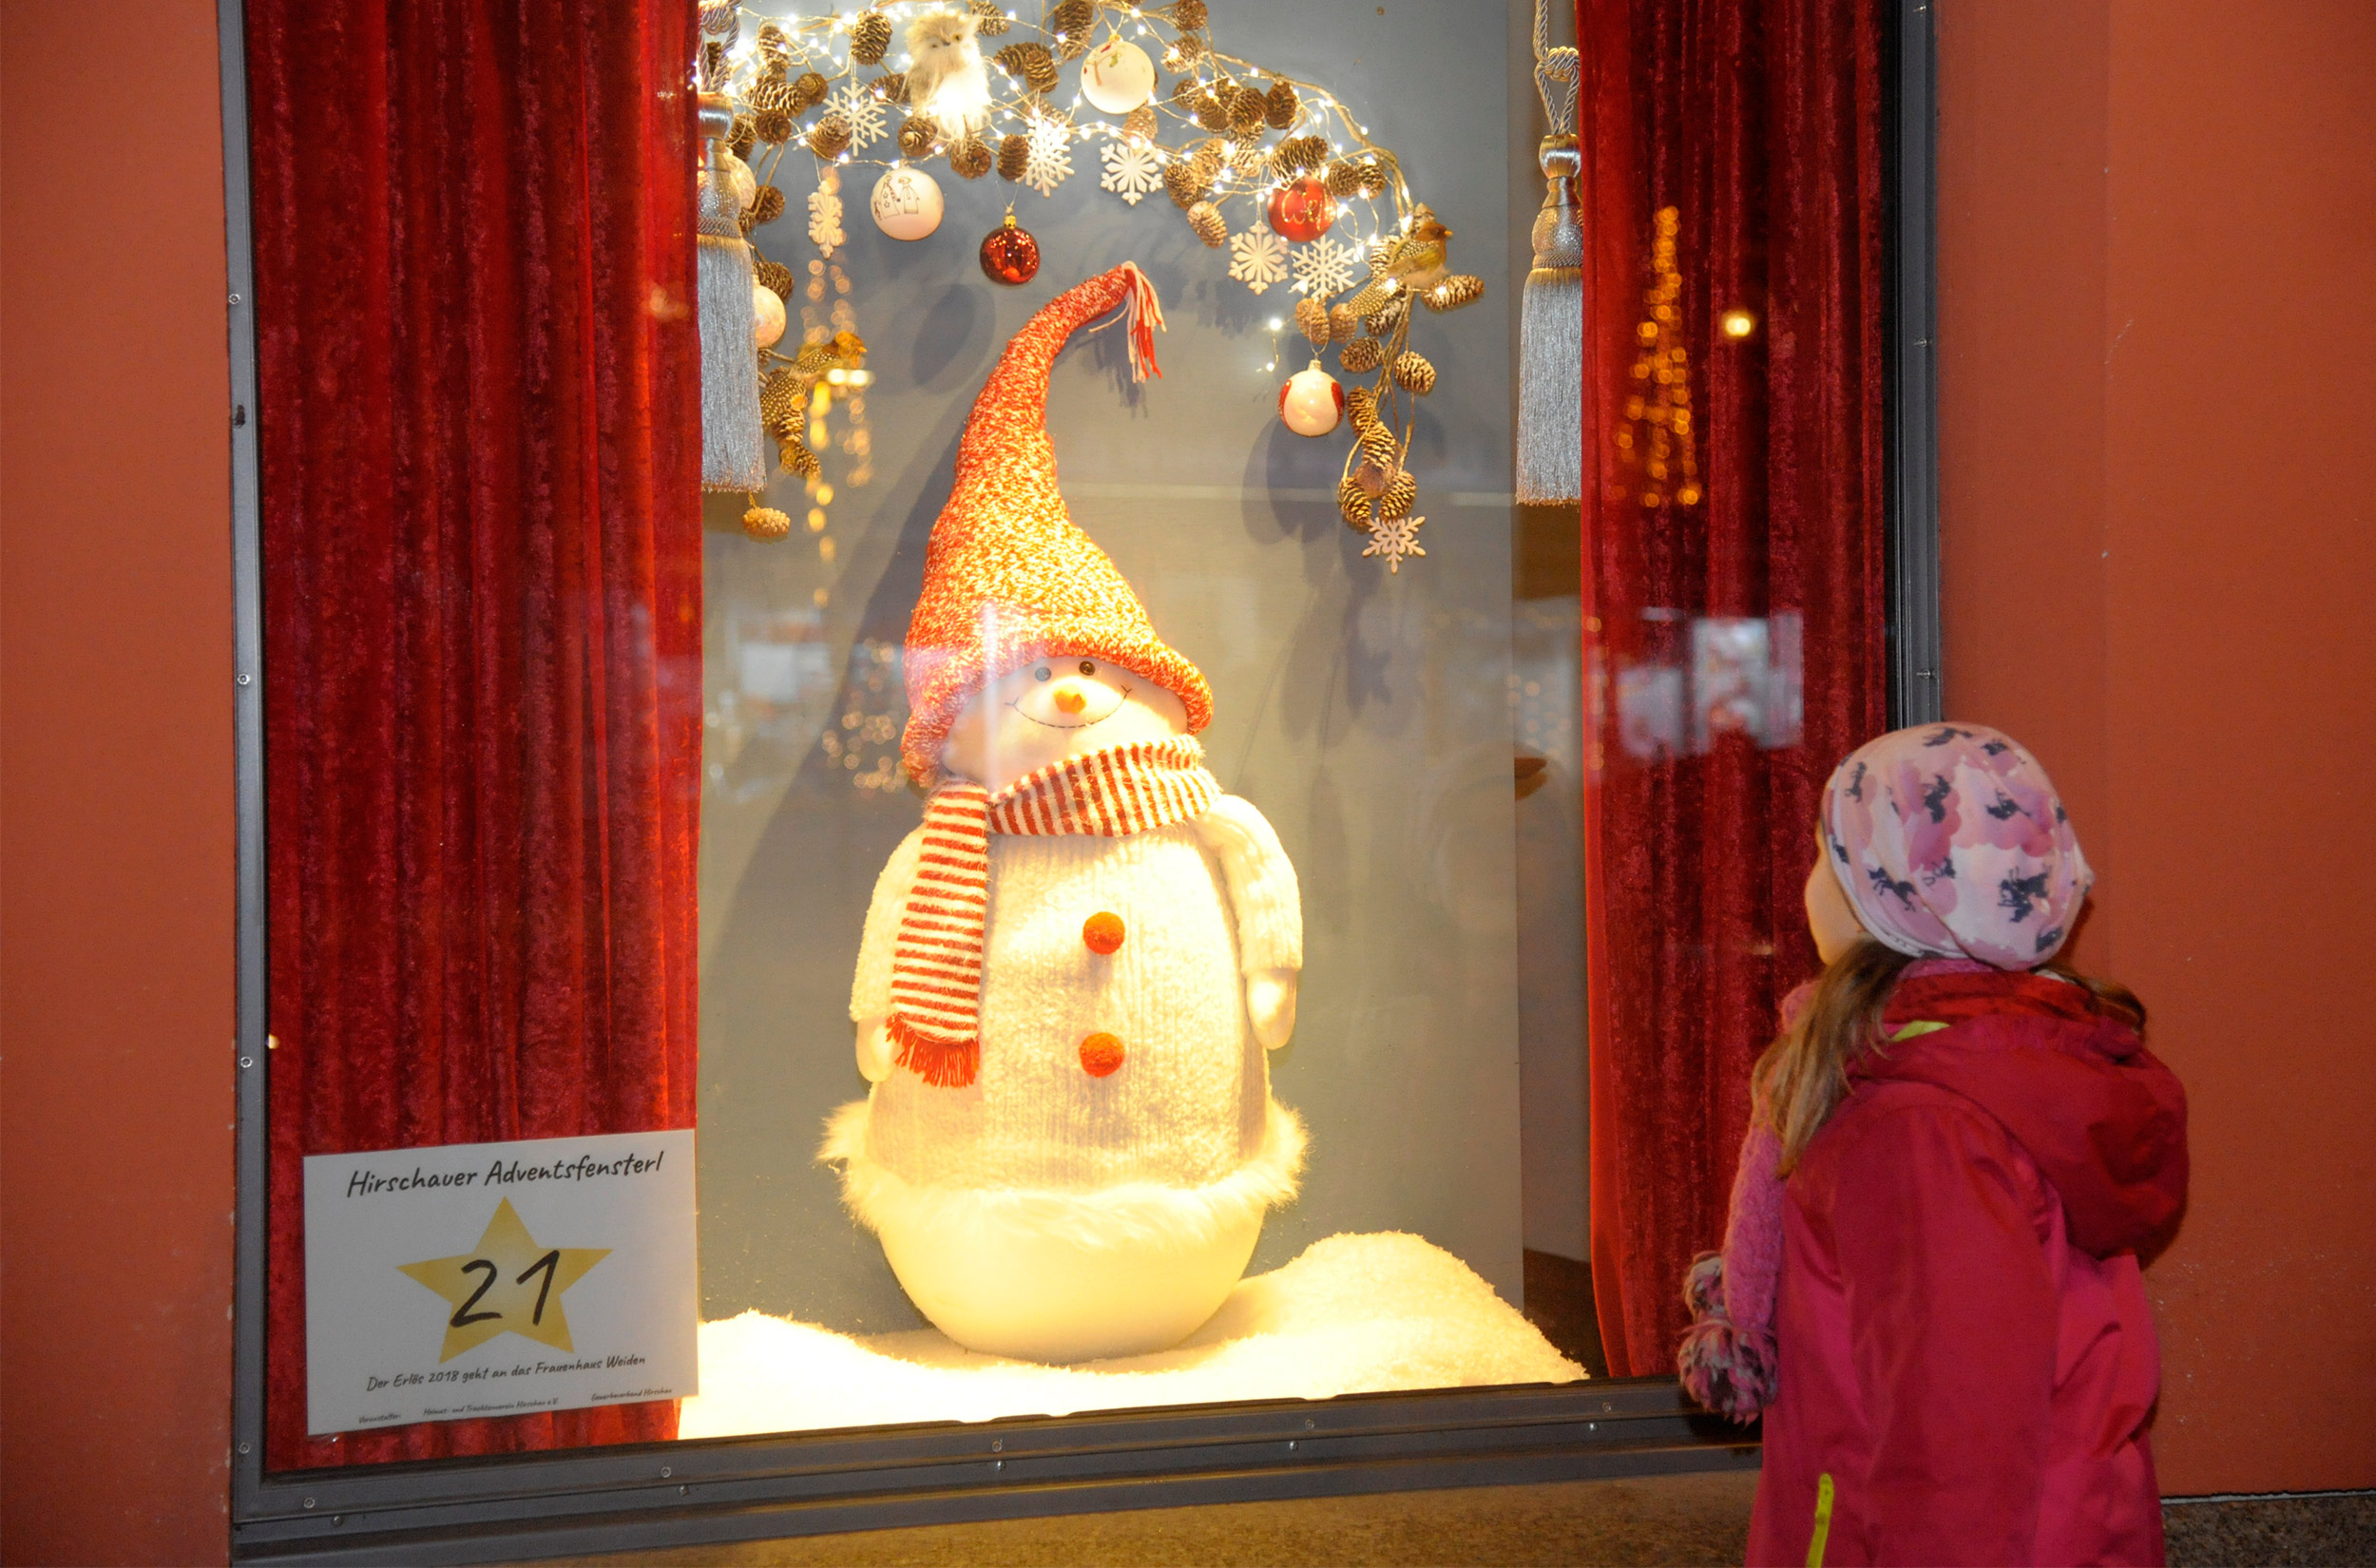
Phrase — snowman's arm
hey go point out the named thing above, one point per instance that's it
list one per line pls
(870, 989)
(1261, 885)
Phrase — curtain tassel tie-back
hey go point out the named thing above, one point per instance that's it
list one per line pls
(733, 451)
(1551, 341)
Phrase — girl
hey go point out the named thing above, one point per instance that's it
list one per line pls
(1929, 1280)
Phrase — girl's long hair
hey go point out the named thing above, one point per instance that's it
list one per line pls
(1803, 1076)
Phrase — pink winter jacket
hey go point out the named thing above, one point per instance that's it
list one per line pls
(1966, 1360)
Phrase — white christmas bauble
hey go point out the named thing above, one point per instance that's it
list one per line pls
(907, 203)
(1312, 402)
(767, 315)
(739, 175)
(1116, 76)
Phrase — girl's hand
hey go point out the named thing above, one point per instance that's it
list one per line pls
(1270, 1005)
(875, 1052)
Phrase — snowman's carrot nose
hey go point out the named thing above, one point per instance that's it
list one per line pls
(1069, 698)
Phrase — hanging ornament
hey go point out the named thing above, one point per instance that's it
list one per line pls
(1312, 402)
(1116, 76)
(907, 203)
(1009, 255)
(767, 311)
(1302, 209)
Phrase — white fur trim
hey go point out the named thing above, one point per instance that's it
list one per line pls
(1135, 1214)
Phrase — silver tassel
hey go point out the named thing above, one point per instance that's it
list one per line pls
(733, 449)
(1551, 341)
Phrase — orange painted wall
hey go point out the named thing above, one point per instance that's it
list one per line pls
(2158, 424)
(115, 791)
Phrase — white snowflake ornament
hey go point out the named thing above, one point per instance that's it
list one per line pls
(1257, 257)
(862, 112)
(1395, 539)
(1324, 267)
(1131, 170)
(825, 220)
(1049, 160)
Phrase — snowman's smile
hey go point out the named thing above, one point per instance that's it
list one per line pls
(1086, 718)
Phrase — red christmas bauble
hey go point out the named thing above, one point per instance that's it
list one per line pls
(1009, 255)
(1302, 209)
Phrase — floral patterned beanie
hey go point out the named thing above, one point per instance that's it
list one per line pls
(1951, 843)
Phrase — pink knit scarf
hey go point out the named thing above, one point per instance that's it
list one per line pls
(936, 958)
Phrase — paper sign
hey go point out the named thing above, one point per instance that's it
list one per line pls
(493, 1279)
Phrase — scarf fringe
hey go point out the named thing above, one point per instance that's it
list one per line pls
(943, 1063)
(1728, 1369)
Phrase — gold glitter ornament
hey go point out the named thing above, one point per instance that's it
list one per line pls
(1354, 501)
(1389, 315)
(1140, 123)
(769, 207)
(870, 38)
(1400, 496)
(1453, 293)
(1188, 15)
(1206, 220)
(830, 136)
(1344, 323)
(1280, 105)
(989, 19)
(1311, 319)
(1413, 374)
(1181, 183)
(772, 126)
(797, 459)
(808, 90)
(774, 276)
(783, 403)
(1362, 356)
(1014, 154)
(970, 158)
(916, 135)
(1343, 178)
(766, 523)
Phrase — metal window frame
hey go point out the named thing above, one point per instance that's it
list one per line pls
(653, 1495)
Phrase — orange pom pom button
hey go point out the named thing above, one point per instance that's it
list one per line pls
(1100, 1054)
(1103, 932)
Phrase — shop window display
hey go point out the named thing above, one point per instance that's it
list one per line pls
(1090, 827)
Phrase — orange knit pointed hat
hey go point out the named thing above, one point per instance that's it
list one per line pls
(1007, 578)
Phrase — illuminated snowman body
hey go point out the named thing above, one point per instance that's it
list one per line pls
(1098, 1186)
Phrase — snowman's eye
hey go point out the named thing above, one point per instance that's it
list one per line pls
(1087, 667)
(1039, 673)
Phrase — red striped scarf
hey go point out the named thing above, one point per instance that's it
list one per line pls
(936, 961)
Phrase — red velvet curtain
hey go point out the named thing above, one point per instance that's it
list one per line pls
(479, 430)
(1758, 123)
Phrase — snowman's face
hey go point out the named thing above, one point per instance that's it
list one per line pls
(1052, 709)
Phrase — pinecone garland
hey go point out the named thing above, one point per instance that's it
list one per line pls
(774, 276)
(769, 207)
(712, 63)
(1311, 319)
(989, 20)
(766, 523)
(1280, 105)
(1029, 64)
(775, 46)
(781, 400)
(1206, 220)
(772, 126)
(1354, 501)
(1185, 92)
(1181, 183)
(1401, 494)
(1361, 356)
(1071, 17)
(1013, 154)
(1379, 443)
(1188, 15)
(870, 38)
(1140, 123)
(1344, 323)
(1361, 407)
(1453, 293)
(1343, 178)
(808, 90)
(768, 93)
(742, 138)
(916, 135)
(796, 458)
(892, 86)
(1244, 107)
(1211, 114)
(1413, 374)
(1298, 155)
(970, 158)
(829, 137)
(1388, 318)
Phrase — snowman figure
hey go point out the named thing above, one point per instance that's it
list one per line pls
(1072, 972)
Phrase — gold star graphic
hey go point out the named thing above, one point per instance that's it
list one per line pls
(509, 1283)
